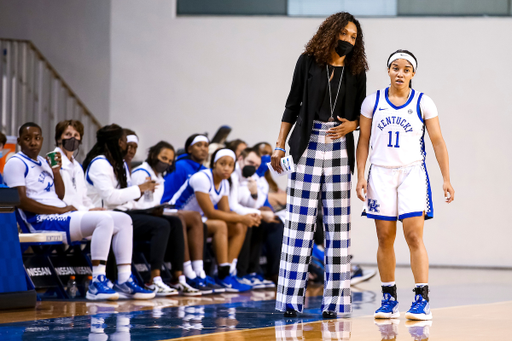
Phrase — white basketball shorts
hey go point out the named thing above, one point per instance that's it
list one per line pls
(396, 193)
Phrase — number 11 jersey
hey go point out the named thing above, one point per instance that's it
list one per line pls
(397, 134)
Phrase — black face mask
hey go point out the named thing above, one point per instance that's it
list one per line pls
(71, 144)
(343, 48)
(248, 171)
(161, 166)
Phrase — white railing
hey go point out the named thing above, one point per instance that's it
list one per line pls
(31, 90)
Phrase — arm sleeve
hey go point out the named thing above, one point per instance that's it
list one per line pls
(234, 204)
(263, 189)
(368, 106)
(100, 172)
(14, 173)
(294, 101)
(200, 183)
(428, 107)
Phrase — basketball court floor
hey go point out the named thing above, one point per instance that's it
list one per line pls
(467, 305)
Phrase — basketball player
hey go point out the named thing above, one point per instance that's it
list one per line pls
(393, 122)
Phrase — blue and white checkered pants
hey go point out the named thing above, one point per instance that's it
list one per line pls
(322, 170)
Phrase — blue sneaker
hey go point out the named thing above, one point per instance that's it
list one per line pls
(265, 282)
(99, 290)
(388, 308)
(200, 284)
(254, 283)
(210, 282)
(420, 310)
(231, 284)
(130, 290)
(358, 275)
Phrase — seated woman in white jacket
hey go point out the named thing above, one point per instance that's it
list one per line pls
(109, 186)
(41, 190)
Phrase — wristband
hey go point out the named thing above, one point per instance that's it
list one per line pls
(281, 149)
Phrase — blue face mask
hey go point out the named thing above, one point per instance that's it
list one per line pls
(263, 167)
(1, 153)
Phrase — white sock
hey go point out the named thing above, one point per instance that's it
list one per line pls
(123, 273)
(157, 279)
(188, 271)
(421, 285)
(388, 284)
(98, 270)
(198, 267)
(182, 279)
(232, 267)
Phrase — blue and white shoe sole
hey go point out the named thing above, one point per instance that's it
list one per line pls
(102, 297)
(136, 296)
(231, 290)
(381, 315)
(418, 317)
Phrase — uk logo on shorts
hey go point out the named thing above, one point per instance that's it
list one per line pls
(373, 206)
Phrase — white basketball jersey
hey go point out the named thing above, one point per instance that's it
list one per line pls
(397, 131)
(202, 181)
(39, 182)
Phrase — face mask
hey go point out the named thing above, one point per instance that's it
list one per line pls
(1, 153)
(343, 48)
(161, 166)
(71, 144)
(248, 171)
(263, 167)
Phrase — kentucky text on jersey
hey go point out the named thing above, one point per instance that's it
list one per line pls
(394, 120)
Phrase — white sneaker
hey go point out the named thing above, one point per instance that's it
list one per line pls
(186, 290)
(161, 289)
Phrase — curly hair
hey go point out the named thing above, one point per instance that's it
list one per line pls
(326, 38)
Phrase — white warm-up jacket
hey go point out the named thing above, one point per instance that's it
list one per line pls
(103, 187)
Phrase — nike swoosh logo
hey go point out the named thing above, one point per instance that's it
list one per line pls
(228, 285)
(382, 109)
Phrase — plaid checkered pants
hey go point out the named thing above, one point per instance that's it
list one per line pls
(322, 172)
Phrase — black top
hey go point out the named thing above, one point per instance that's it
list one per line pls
(324, 112)
(307, 94)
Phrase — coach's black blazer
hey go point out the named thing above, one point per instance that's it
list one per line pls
(306, 95)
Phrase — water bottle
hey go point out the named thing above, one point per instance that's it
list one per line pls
(148, 195)
(87, 282)
(72, 288)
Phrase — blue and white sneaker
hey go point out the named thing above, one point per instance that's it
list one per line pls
(99, 290)
(210, 282)
(388, 308)
(253, 282)
(231, 284)
(259, 279)
(130, 290)
(200, 284)
(420, 310)
(358, 275)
